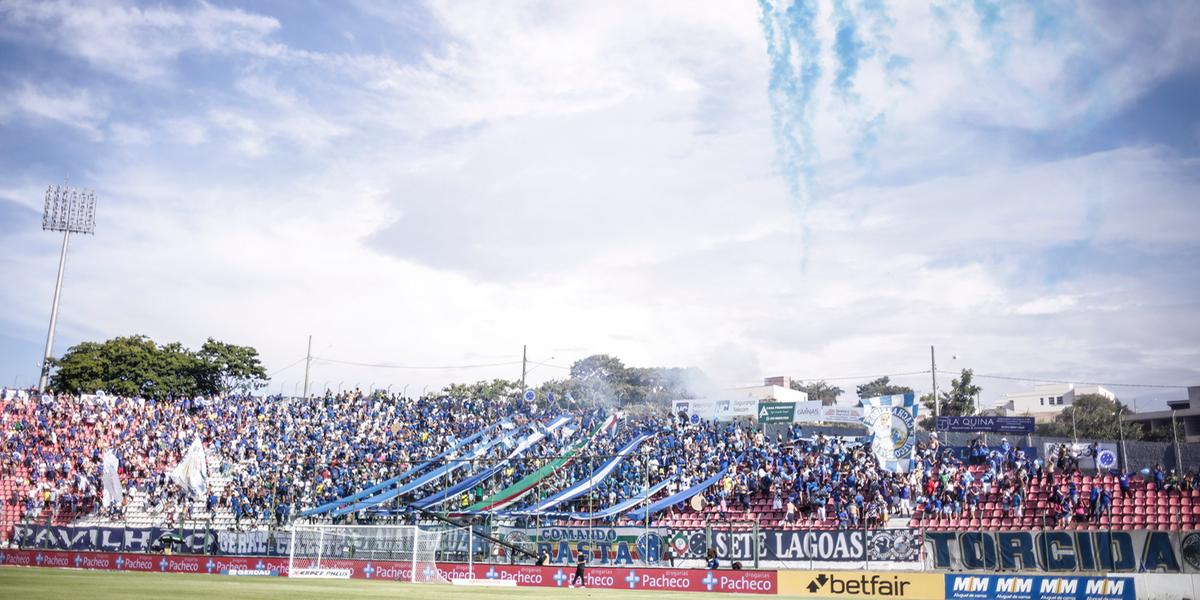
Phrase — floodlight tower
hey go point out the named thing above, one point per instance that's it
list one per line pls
(69, 210)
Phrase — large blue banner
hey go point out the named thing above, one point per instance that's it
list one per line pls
(1057, 551)
(1016, 425)
(1019, 587)
(113, 539)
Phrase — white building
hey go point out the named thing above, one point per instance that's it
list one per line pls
(776, 389)
(1048, 399)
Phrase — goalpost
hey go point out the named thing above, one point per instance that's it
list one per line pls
(320, 551)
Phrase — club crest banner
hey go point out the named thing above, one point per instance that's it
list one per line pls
(892, 421)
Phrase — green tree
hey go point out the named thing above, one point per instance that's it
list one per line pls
(227, 367)
(136, 366)
(1093, 417)
(880, 387)
(958, 401)
(819, 390)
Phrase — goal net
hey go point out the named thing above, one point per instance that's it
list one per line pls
(323, 551)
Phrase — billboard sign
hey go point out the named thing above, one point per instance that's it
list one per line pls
(1014, 425)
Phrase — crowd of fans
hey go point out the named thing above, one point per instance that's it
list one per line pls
(278, 457)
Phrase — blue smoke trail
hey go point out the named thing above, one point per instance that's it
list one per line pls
(793, 53)
(848, 48)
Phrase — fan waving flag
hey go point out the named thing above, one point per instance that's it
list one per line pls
(892, 421)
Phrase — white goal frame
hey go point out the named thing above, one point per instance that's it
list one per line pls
(426, 553)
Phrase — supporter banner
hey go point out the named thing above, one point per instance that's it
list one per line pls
(115, 539)
(892, 421)
(677, 580)
(885, 545)
(858, 584)
(1106, 453)
(777, 412)
(607, 545)
(1019, 587)
(1019, 425)
(1063, 551)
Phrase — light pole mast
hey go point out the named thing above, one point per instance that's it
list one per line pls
(307, 364)
(937, 403)
(69, 210)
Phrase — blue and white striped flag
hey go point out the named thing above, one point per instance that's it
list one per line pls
(892, 422)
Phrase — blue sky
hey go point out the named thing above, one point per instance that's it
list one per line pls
(813, 188)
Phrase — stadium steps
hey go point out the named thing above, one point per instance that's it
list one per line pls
(140, 514)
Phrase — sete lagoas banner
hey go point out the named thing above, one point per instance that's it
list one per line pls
(892, 423)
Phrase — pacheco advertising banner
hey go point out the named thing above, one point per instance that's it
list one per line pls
(674, 580)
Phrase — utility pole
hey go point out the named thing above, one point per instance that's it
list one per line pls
(1175, 441)
(937, 403)
(524, 349)
(307, 364)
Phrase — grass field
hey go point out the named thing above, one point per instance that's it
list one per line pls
(68, 584)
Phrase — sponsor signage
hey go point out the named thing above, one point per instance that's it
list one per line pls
(322, 573)
(250, 572)
(1016, 425)
(860, 584)
(1056, 551)
(777, 412)
(1038, 587)
(679, 580)
(1106, 453)
(885, 545)
(841, 414)
(722, 410)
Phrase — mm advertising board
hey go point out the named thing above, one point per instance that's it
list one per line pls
(1039, 587)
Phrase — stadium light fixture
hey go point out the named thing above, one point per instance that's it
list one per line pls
(69, 210)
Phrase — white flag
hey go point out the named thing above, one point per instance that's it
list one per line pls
(191, 473)
(113, 492)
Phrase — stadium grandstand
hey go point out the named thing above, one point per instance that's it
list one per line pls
(372, 458)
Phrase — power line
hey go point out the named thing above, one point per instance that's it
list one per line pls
(544, 364)
(415, 367)
(848, 377)
(278, 371)
(1037, 380)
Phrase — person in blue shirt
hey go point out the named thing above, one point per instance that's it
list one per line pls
(712, 562)
(1105, 505)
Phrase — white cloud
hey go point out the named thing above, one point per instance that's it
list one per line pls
(78, 108)
(569, 177)
(135, 42)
